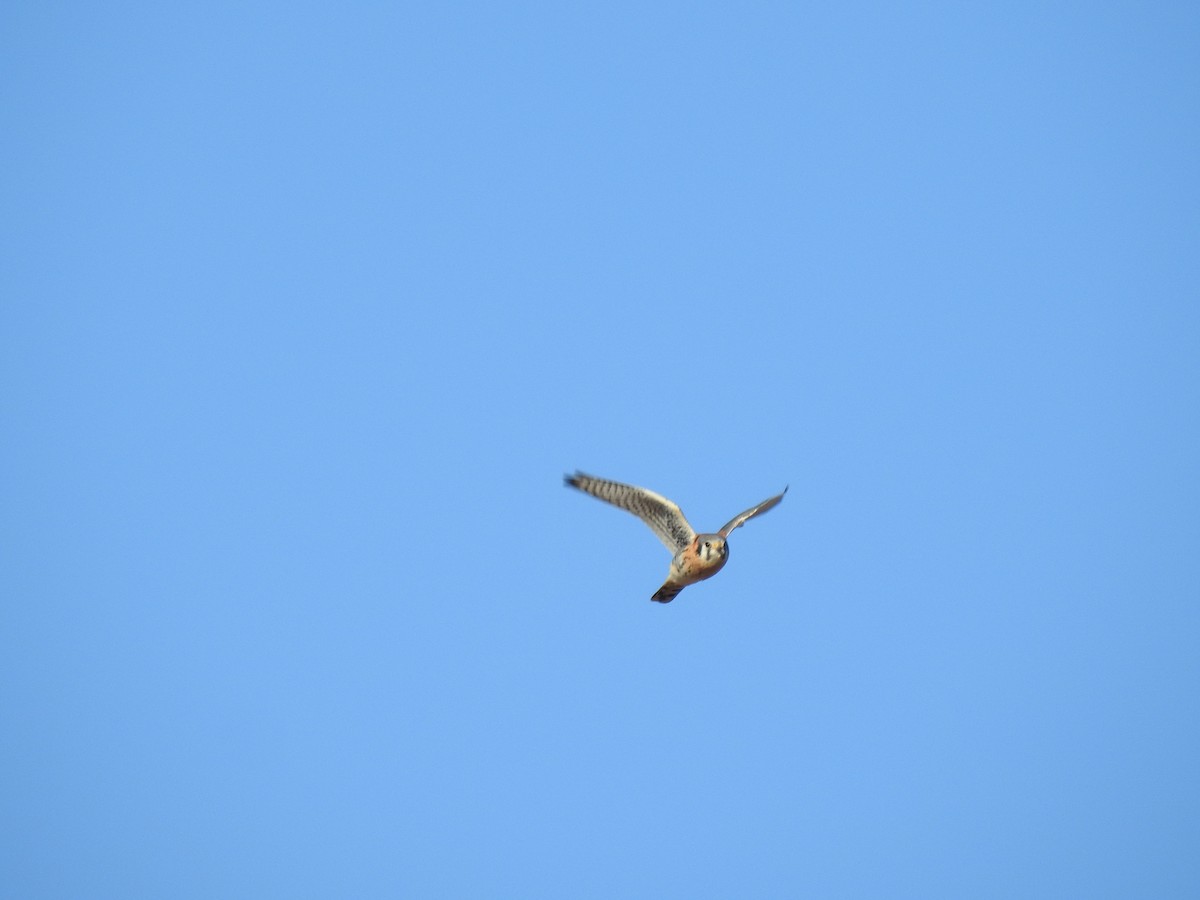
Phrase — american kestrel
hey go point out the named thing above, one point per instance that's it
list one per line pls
(697, 556)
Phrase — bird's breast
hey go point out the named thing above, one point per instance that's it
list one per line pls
(690, 566)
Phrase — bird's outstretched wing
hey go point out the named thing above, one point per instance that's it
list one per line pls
(742, 518)
(664, 517)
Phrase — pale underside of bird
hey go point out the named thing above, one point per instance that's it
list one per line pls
(695, 556)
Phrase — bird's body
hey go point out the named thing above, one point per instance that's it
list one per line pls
(696, 556)
(703, 558)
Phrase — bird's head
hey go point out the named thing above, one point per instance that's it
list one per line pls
(710, 547)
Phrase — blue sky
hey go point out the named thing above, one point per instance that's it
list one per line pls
(307, 309)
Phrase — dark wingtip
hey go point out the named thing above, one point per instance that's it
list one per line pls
(572, 480)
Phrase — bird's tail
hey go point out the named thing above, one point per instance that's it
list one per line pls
(667, 592)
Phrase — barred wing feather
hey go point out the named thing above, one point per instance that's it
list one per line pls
(664, 517)
(741, 518)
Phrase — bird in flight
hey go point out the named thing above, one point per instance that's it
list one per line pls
(697, 556)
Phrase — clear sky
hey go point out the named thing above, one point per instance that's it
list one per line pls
(306, 309)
